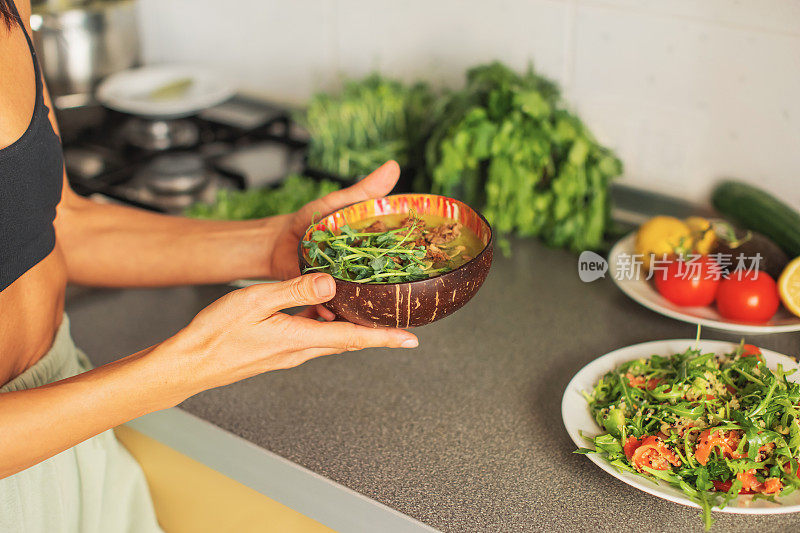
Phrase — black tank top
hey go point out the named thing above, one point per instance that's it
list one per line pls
(31, 173)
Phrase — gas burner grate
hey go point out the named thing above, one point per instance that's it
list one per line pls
(105, 151)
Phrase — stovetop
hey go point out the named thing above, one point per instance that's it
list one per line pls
(166, 165)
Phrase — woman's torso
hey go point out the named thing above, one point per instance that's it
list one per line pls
(31, 307)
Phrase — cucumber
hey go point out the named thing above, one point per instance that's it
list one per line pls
(757, 210)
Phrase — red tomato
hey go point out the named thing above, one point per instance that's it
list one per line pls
(722, 486)
(772, 485)
(725, 441)
(689, 283)
(751, 485)
(639, 382)
(630, 446)
(653, 454)
(753, 298)
(748, 350)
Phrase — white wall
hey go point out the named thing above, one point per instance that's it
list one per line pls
(687, 91)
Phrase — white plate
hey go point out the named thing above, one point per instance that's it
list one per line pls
(577, 417)
(644, 292)
(128, 91)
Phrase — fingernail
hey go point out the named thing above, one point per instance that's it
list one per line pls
(324, 286)
(410, 343)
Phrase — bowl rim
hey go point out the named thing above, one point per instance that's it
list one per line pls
(489, 243)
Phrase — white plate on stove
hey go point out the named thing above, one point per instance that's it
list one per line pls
(577, 418)
(644, 292)
(132, 91)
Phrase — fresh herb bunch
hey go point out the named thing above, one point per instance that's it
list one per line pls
(292, 194)
(371, 121)
(710, 425)
(370, 257)
(506, 143)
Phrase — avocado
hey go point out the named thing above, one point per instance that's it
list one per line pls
(614, 422)
(749, 244)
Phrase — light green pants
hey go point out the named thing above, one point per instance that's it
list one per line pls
(95, 487)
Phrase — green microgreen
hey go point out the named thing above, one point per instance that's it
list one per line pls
(392, 256)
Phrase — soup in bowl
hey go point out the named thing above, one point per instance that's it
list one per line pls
(400, 261)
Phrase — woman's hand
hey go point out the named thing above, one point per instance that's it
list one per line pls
(284, 253)
(244, 333)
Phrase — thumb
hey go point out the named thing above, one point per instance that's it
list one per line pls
(304, 290)
(379, 183)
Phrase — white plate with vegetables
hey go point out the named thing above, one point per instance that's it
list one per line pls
(676, 446)
(165, 91)
(643, 291)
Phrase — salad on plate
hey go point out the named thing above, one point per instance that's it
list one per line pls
(712, 425)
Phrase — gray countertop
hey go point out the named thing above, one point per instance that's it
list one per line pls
(463, 433)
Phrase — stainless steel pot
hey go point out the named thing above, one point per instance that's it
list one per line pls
(80, 43)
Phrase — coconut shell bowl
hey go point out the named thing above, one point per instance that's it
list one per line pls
(414, 303)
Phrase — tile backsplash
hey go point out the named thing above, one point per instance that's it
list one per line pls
(686, 91)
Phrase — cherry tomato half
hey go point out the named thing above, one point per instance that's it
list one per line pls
(750, 349)
(690, 283)
(722, 486)
(751, 297)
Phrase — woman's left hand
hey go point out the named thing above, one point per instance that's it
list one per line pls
(283, 262)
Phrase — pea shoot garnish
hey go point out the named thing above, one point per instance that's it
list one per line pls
(378, 254)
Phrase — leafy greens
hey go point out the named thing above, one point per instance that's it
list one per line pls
(369, 122)
(292, 194)
(507, 144)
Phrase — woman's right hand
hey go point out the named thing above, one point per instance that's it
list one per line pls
(244, 333)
